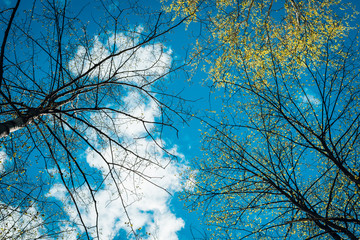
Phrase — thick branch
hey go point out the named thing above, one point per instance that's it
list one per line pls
(18, 123)
(12, 125)
(2, 53)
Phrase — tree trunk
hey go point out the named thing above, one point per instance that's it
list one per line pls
(12, 125)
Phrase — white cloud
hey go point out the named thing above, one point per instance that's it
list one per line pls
(146, 203)
(136, 180)
(19, 223)
(309, 98)
(57, 191)
(3, 159)
(133, 65)
(190, 181)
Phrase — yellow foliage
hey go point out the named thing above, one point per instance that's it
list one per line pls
(250, 34)
(266, 55)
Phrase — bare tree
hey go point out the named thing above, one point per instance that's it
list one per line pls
(72, 79)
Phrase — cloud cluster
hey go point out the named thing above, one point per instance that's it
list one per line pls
(123, 58)
(137, 172)
(309, 98)
(19, 223)
(3, 159)
(132, 184)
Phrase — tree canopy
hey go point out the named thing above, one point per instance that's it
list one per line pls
(82, 109)
(281, 157)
